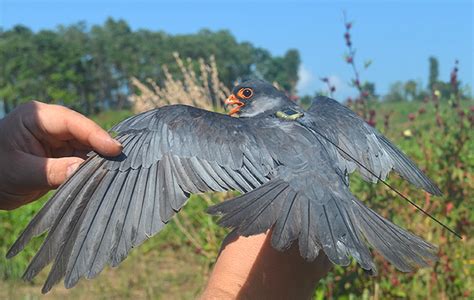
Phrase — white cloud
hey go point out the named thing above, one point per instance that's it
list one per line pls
(309, 83)
(343, 90)
(306, 81)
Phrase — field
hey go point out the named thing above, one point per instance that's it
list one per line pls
(176, 263)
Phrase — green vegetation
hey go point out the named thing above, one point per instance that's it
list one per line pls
(412, 90)
(89, 69)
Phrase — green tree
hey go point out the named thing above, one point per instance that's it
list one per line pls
(395, 93)
(283, 70)
(291, 62)
(410, 90)
(80, 69)
(17, 66)
(369, 87)
(434, 72)
(89, 69)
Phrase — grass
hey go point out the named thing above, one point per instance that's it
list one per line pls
(164, 273)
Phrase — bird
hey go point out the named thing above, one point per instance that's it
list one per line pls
(291, 166)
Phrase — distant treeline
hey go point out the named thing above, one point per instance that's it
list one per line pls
(89, 68)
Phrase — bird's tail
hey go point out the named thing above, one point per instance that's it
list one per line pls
(341, 227)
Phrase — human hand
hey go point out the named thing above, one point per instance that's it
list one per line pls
(250, 268)
(40, 147)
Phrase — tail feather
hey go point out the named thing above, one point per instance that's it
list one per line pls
(339, 224)
(287, 227)
(254, 212)
(265, 212)
(337, 234)
(309, 244)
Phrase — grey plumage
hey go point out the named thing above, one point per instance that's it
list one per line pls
(292, 180)
(364, 143)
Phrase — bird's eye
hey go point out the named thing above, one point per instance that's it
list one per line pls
(245, 93)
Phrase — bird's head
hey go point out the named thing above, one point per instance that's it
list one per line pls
(253, 97)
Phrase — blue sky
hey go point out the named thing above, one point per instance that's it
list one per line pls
(398, 36)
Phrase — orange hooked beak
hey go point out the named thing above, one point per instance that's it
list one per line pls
(232, 100)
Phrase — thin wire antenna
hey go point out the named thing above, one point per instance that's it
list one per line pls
(389, 186)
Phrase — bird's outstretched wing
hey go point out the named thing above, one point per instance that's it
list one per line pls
(370, 148)
(113, 204)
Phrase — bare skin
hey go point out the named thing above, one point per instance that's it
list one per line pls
(40, 147)
(250, 268)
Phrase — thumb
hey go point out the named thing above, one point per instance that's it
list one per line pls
(60, 169)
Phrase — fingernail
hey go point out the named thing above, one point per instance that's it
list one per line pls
(71, 169)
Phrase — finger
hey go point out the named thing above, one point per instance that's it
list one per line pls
(60, 169)
(10, 202)
(64, 150)
(76, 145)
(81, 153)
(70, 148)
(65, 124)
(49, 172)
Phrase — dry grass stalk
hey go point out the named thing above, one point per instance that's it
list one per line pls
(203, 90)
